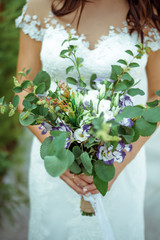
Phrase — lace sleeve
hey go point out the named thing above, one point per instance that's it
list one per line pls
(152, 39)
(32, 18)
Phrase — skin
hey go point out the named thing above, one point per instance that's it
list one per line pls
(96, 13)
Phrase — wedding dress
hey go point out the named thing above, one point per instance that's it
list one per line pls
(55, 212)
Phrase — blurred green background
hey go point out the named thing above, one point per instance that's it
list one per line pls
(12, 189)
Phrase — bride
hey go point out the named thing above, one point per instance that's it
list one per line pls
(105, 29)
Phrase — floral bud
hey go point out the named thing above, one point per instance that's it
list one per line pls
(11, 113)
(16, 83)
(2, 109)
(25, 115)
(116, 100)
(102, 92)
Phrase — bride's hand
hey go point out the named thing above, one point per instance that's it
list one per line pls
(82, 184)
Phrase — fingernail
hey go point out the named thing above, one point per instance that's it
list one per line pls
(85, 189)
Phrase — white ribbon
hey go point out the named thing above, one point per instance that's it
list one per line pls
(97, 204)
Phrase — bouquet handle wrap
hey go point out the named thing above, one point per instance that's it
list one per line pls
(96, 202)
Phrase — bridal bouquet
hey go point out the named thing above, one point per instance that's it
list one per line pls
(91, 127)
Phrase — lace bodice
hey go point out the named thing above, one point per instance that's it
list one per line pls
(39, 23)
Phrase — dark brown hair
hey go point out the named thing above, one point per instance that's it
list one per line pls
(141, 13)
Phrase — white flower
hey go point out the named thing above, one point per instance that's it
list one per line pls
(80, 135)
(91, 96)
(104, 107)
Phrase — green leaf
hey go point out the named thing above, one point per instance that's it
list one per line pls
(122, 61)
(121, 86)
(158, 93)
(86, 161)
(100, 185)
(15, 101)
(25, 84)
(55, 166)
(17, 89)
(75, 168)
(56, 133)
(27, 121)
(71, 80)
(28, 71)
(153, 104)
(41, 88)
(63, 52)
(44, 147)
(145, 128)
(57, 145)
(129, 52)
(133, 65)
(104, 172)
(43, 111)
(27, 104)
(1, 100)
(135, 91)
(92, 78)
(69, 69)
(42, 77)
(130, 112)
(30, 97)
(76, 151)
(11, 112)
(152, 115)
(117, 69)
(126, 76)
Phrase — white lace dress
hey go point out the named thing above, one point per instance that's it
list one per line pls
(55, 213)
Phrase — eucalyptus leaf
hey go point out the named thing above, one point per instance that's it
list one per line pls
(155, 103)
(17, 89)
(42, 77)
(130, 112)
(102, 186)
(27, 121)
(41, 88)
(27, 104)
(104, 172)
(86, 161)
(135, 91)
(152, 115)
(76, 151)
(30, 97)
(133, 65)
(75, 168)
(15, 101)
(44, 147)
(129, 52)
(145, 128)
(71, 80)
(69, 69)
(122, 62)
(158, 93)
(55, 166)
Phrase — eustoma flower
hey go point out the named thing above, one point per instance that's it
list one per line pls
(109, 157)
(81, 134)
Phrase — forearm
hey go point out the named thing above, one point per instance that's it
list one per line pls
(136, 146)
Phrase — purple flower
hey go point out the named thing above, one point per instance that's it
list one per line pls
(127, 122)
(109, 156)
(128, 147)
(105, 154)
(45, 127)
(86, 127)
(65, 128)
(125, 101)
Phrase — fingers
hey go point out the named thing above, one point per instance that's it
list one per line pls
(78, 181)
(90, 188)
(71, 184)
(85, 178)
